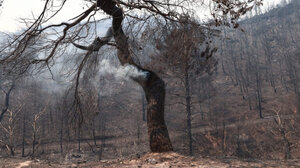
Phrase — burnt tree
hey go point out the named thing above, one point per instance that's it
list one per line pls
(152, 84)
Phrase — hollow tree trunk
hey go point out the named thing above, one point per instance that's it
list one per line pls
(153, 86)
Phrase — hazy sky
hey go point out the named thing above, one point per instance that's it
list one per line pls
(13, 10)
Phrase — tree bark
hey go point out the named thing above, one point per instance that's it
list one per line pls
(33, 142)
(79, 138)
(23, 134)
(258, 91)
(153, 86)
(188, 109)
(61, 132)
(143, 107)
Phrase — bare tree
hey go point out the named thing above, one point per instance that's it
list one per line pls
(182, 56)
(36, 126)
(9, 129)
(284, 130)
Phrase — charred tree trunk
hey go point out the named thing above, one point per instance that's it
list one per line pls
(153, 86)
(12, 150)
(143, 107)
(7, 95)
(79, 138)
(94, 133)
(23, 134)
(258, 91)
(33, 142)
(61, 132)
(188, 109)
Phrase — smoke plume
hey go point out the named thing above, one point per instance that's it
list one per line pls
(121, 72)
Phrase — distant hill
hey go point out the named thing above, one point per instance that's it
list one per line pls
(291, 8)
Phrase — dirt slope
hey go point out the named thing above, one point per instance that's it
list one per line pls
(151, 160)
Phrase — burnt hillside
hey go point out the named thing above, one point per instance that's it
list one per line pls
(248, 107)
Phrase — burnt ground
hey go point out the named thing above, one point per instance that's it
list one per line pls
(149, 160)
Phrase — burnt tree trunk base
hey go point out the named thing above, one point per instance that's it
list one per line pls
(154, 89)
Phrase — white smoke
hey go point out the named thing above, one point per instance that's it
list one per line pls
(121, 72)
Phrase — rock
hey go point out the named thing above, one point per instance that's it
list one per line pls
(152, 161)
